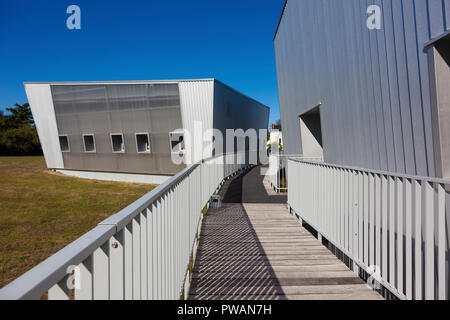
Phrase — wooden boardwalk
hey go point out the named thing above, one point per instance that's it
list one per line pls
(258, 251)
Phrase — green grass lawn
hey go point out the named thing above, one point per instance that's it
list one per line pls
(41, 212)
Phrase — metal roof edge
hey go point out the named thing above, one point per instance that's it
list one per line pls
(117, 81)
(240, 93)
(279, 20)
(437, 39)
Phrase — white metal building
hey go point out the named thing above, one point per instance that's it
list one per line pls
(128, 131)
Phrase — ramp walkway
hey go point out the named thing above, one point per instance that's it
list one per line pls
(253, 249)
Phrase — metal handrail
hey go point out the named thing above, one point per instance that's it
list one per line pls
(372, 171)
(393, 226)
(52, 272)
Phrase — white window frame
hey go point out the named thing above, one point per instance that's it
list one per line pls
(112, 143)
(84, 143)
(149, 143)
(68, 143)
(170, 142)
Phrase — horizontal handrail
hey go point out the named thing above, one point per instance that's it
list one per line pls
(278, 166)
(393, 226)
(372, 171)
(125, 216)
(34, 283)
(128, 254)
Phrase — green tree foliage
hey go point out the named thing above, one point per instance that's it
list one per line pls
(18, 135)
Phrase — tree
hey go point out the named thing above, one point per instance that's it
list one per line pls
(21, 115)
(18, 135)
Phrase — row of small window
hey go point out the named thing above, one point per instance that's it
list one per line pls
(118, 144)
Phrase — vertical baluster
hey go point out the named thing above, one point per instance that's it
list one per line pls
(379, 202)
(150, 266)
(342, 209)
(385, 206)
(154, 234)
(334, 205)
(372, 220)
(101, 272)
(392, 216)
(442, 224)
(429, 241)
(162, 248)
(400, 212)
(418, 240)
(136, 259)
(60, 291)
(143, 255)
(355, 204)
(84, 272)
(346, 209)
(116, 267)
(171, 245)
(366, 219)
(159, 266)
(361, 185)
(166, 250)
(128, 259)
(350, 208)
(330, 203)
(408, 239)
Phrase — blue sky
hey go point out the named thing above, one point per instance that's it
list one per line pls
(140, 40)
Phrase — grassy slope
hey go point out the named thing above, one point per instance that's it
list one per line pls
(41, 212)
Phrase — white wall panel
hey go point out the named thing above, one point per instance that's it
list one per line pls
(197, 105)
(41, 103)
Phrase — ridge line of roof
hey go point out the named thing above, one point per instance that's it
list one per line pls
(279, 20)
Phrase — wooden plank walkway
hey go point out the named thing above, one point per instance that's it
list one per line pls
(259, 252)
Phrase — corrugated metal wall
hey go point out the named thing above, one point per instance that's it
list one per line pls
(127, 109)
(374, 84)
(220, 107)
(197, 105)
(233, 110)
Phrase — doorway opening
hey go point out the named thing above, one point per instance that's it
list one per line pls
(311, 134)
(439, 58)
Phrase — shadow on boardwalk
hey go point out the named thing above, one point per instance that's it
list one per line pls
(249, 188)
(252, 249)
(231, 262)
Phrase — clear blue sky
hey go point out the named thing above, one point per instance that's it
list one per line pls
(230, 40)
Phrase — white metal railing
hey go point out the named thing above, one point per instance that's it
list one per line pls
(278, 169)
(393, 226)
(142, 252)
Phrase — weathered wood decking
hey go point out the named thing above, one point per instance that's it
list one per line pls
(258, 251)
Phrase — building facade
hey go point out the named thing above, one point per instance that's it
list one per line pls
(370, 98)
(129, 131)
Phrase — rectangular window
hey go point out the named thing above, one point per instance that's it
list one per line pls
(177, 142)
(143, 143)
(89, 143)
(118, 146)
(64, 143)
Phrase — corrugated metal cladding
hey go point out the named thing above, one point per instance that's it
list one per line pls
(88, 113)
(197, 105)
(374, 84)
(126, 109)
(234, 110)
(220, 107)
